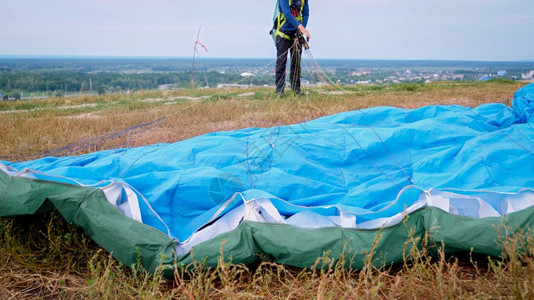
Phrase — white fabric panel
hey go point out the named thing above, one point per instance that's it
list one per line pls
(227, 223)
(517, 202)
(261, 209)
(8, 169)
(478, 204)
(309, 219)
(124, 198)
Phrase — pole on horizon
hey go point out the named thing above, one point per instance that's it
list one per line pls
(194, 53)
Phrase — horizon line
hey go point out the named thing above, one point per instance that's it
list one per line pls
(52, 56)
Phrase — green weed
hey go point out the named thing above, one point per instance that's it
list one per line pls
(44, 257)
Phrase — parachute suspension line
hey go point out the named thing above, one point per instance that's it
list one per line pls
(21, 149)
(321, 73)
(330, 84)
(204, 68)
(516, 142)
(513, 140)
(141, 156)
(390, 154)
(294, 51)
(83, 144)
(523, 134)
(314, 75)
(369, 156)
(248, 160)
(316, 70)
(278, 67)
(318, 75)
(262, 68)
(296, 59)
(258, 70)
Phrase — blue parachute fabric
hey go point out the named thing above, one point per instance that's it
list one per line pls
(523, 104)
(347, 169)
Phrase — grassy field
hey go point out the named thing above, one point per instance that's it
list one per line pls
(43, 257)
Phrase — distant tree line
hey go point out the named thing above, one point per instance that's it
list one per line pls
(58, 82)
(44, 81)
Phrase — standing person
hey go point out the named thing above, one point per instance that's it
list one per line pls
(292, 17)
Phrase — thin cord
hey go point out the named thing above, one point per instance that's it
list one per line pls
(369, 156)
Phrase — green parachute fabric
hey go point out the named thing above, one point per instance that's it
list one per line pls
(292, 193)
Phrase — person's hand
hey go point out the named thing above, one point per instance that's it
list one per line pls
(304, 32)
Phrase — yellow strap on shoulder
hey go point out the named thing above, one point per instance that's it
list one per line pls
(282, 20)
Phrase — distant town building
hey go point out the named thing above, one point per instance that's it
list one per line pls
(360, 73)
(501, 73)
(527, 76)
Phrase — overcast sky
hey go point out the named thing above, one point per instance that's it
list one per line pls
(358, 29)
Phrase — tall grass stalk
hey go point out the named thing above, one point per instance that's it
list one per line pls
(44, 257)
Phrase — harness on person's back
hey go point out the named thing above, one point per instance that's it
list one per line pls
(296, 7)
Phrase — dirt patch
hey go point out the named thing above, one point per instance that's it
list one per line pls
(174, 98)
(246, 94)
(77, 106)
(84, 116)
(14, 111)
(331, 92)
(44, 108)
(464, 101)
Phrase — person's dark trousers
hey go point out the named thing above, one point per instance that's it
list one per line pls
(283, 46)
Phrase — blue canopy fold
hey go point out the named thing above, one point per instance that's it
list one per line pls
(341, 170)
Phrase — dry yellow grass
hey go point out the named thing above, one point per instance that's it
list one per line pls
(43, 257)
(31, 127)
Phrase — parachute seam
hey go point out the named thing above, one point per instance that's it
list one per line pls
(390, 154)
(248, 159)
(488, 170)
(141, 156)
(369, 157)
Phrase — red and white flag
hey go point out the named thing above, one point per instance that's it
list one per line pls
(198, 42)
